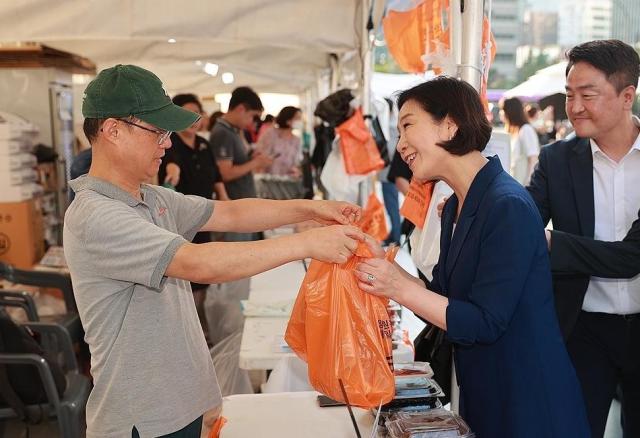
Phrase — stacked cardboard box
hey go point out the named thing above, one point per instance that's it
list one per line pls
(21, 229)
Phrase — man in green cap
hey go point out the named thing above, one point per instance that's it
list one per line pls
(128, 248)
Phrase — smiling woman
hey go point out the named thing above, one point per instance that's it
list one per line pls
(491, 289)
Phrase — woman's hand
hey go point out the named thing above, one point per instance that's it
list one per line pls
(173, 174)
(380, 277)
(374, 246)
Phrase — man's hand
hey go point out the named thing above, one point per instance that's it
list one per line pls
(333, 244)
(335, 212)
(173, 174)
(261, 161)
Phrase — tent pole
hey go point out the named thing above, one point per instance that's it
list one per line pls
(455, 34)
(470, 68)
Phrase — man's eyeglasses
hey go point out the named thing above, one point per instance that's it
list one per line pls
(162, 134)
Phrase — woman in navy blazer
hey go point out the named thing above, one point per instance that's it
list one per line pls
(491, 289)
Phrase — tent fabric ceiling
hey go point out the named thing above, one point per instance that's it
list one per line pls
(272, 45)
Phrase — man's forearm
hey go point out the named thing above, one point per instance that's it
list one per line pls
(233, 172)
(219, 262)
(251, 214)
(582, 255)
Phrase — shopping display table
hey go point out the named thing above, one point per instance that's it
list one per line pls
(262, 343)
(289, 414)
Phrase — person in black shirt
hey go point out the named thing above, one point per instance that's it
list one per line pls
(189, 166)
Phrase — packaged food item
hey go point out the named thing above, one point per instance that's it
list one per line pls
(434, 423)
(412, 369)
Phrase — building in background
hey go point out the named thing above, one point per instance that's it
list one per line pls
(540, 28)
(584, 20)
(506, 24)
(625, 21)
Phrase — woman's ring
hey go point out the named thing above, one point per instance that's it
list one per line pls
(371, 278)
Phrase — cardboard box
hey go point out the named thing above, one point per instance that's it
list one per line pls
(21, 233)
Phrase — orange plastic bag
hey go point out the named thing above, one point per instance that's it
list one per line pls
(416, 202)
(405, 33)
(373, 221)
(343, 333)
(217, 427)
(418, 34)
(359, 150)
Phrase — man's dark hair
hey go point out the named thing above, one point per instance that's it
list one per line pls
(247, 97)
(183, 99)
(446, 96)
(617, 60)
(514, 112)
(285, 116)
(268, 118)
(91, 127)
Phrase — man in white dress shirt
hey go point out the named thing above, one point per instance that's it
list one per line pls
(590, 186)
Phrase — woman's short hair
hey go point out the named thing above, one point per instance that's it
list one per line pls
(285, 116)
(514, 112)
(446, 96)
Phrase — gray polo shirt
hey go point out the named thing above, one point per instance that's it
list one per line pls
(226, 144)
(149, 359)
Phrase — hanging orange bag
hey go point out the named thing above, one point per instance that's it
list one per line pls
(373, 221)
(343, 333)
(359, 150)
(416, 202)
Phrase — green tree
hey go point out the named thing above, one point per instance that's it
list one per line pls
(497, 80)
(533, 64)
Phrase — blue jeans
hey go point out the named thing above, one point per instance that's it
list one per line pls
(390, 196)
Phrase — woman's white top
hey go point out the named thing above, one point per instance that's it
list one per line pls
(524, 144)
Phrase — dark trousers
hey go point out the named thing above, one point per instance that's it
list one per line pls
(391, 203)
(605, 350)
(192, 430)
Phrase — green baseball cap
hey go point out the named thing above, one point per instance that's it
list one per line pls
(128, 90)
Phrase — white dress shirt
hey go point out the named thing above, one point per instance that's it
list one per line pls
(616, 200)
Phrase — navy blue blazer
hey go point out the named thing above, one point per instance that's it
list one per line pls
(516, 379)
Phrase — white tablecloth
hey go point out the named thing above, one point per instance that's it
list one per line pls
(290, 414)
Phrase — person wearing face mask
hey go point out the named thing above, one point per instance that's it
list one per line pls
(281, 144)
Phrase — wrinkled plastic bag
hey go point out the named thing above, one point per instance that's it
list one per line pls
(216, 428)
(225, 356)
(359, 149)
(339, 184)
(291, 374)
(373, 220)
(343, 333)
(425, 242)
(223, 310)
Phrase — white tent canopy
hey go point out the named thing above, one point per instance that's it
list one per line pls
(545, 82)
(272, 45)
